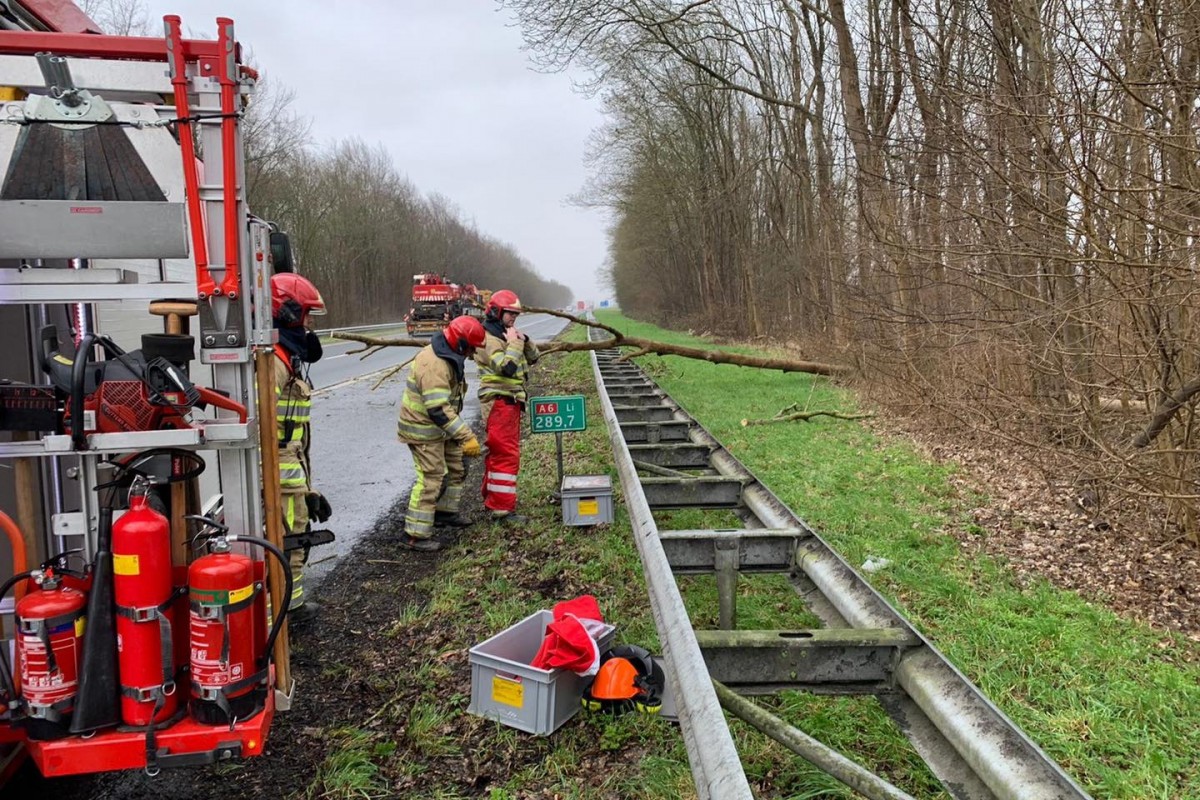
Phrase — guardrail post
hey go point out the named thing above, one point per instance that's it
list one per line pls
(727, 560)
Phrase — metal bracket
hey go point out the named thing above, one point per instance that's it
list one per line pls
(90, 109)
(222, 752)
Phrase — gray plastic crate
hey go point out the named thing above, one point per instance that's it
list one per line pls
(504, 686)
(587, 499)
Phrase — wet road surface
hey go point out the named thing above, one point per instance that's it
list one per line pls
(357, 462)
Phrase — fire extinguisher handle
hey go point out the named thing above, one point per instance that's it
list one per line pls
(208, 522)
(287, 586)
(60, 563)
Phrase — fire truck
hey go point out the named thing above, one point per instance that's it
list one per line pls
(436, 300)
(143, 570)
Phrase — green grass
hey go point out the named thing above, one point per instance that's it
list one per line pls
(1117, 704)
(352, 769)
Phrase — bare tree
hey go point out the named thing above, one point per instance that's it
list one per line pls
(990, 208)
(120, 17)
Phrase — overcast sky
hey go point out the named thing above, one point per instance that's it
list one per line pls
(445, 86)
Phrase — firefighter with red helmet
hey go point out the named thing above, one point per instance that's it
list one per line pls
(438, 437)
(294, 301)
(503, 370)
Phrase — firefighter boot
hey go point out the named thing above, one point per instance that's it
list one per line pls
(450, 519)
(427, 545)
(305, 613)
(509, 518)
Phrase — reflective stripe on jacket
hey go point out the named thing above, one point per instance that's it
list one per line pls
(433, 391)
(293, 416)
(504, 367)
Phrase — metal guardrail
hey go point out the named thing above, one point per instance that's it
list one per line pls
(716, 766)
(868, 647)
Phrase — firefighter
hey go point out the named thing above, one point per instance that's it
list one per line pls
(503, 369)
(429, 423)
(294, 300)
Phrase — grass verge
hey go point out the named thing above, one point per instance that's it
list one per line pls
(1117, 704)
(1113, 701)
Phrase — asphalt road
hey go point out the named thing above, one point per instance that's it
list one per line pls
(357, 462)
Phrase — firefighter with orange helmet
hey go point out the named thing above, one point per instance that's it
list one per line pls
(503, 370)
(294, 301)
(429, 423)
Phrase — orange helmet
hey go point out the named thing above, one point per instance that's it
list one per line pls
(502, 301)
(628, 679)
(616, 680)
(464, 334)
(293, 298)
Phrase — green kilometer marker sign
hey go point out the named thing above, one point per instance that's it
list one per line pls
(557, 414)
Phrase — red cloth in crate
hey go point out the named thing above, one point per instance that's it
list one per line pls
(570, 641)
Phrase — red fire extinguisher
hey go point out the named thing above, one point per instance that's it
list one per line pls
(143, 594)
(49, 644)
(229, 671)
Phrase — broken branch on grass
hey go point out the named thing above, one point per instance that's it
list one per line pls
(631, 356)
(803, 416)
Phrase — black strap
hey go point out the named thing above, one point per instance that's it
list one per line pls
(41, 629)
(55, 712)
(221, 613)
(220, 695)
(217, 611)
(166, 648)
(43, 633)
(152, 769)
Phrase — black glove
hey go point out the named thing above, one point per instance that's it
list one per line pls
(318, 507)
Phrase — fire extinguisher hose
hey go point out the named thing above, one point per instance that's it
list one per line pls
(83, 353)
(15, 540)
(277, 623)
(6, 672)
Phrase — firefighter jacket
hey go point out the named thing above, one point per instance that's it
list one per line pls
(433, 396)
(504, 365)
(293, 409)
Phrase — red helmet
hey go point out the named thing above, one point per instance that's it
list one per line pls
(464, 334)
(293, 298)
(502, 301)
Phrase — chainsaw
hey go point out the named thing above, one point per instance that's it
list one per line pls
(125, 392)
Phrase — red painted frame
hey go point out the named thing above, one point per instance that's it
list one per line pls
(119, 750)
(138, 48)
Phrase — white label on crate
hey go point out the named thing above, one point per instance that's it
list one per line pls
(589, 507)
(511, 693)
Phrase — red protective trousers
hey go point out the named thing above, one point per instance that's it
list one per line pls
(503, 456)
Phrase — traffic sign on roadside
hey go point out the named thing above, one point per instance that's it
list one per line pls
(557, 414)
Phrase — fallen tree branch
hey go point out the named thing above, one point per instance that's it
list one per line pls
(375, 344)
(387, 375)
(1165, 412)
(803, 416)
(632, 356)
(641, 347)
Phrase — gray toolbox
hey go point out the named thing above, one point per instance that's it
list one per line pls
(506, 688)
(587, 499)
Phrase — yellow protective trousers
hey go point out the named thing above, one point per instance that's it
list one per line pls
(440, 477)
(295, 517)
